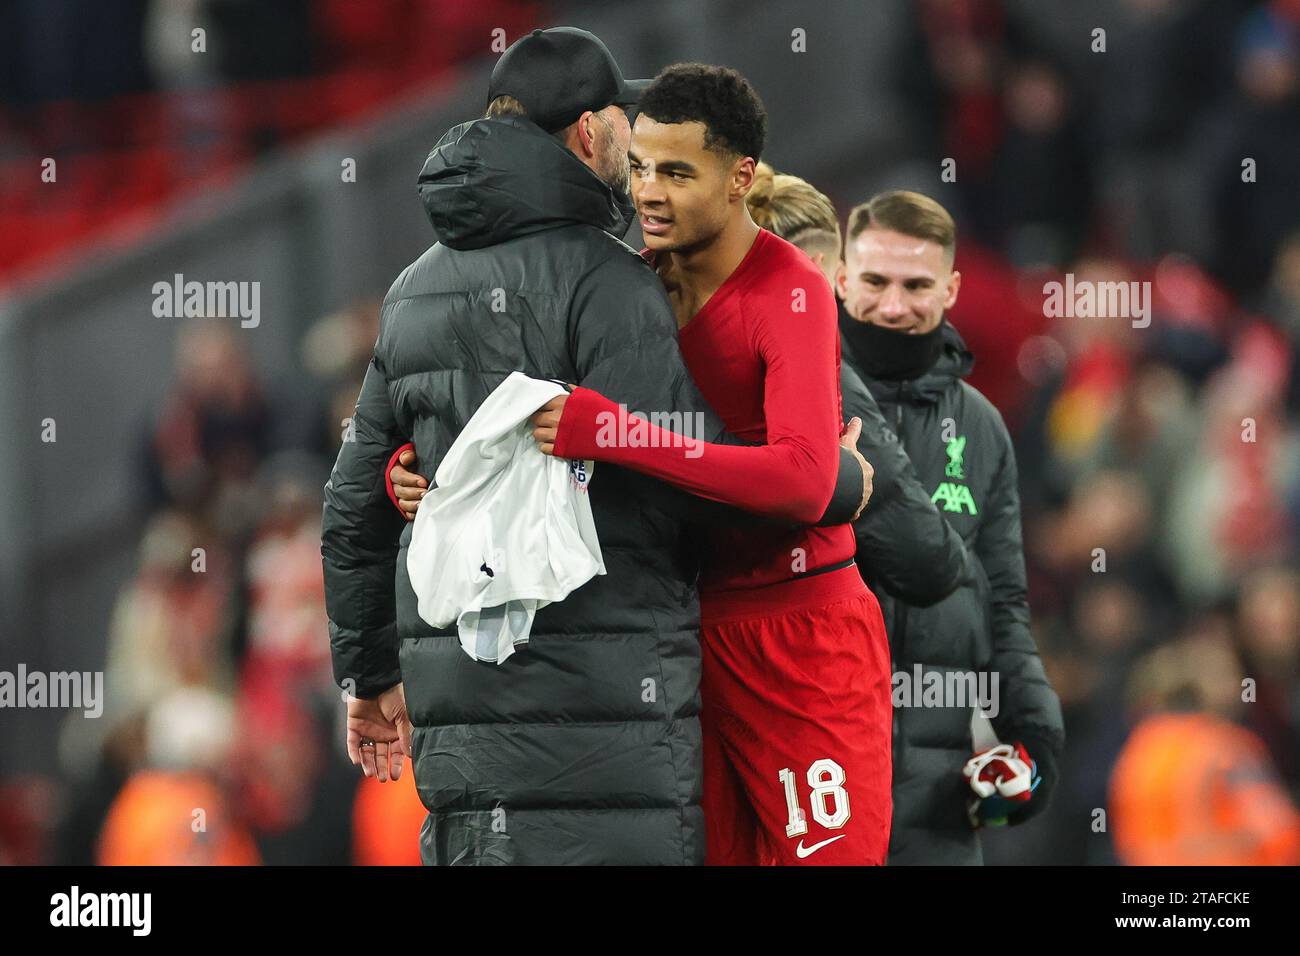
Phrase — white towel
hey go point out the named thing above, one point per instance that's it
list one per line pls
(506, 531)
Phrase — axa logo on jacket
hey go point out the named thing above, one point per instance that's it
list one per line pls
(952, 495)
(505, 530)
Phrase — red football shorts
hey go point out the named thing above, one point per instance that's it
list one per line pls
(797, 725)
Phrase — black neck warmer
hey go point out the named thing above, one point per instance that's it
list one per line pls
(889, 354)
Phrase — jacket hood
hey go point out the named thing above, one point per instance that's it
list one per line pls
(490, 180)
(955, 363)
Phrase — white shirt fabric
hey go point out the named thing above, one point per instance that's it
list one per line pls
(505, 531)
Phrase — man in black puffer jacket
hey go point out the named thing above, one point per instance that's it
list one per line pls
(585, 748)
(897, 282)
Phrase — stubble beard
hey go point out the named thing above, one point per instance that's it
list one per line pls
(619, 175)
(615, 169)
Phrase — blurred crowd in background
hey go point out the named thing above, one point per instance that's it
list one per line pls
(218, 689)
(139, 109)
(1160, 464)
(1160, 467)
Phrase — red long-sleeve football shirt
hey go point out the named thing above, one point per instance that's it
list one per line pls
(764, 351)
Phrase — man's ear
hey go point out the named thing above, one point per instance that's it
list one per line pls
(742, 178)
(954, 284)
(839, 281)
(584, 130)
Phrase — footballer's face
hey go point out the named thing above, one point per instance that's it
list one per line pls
(897, 281)
(681, 189)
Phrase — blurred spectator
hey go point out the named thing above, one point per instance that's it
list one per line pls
(1280, 305)
(1080, 369)
(98, 766)
(1230, 492)
(283, 579)
(337, 348)
(1268, 634)
(215, 424)
(1042, 184)
(386, 821)
(295, 789)
(1192, 787)
(1254, 213)
(177, 811)
(171, 625)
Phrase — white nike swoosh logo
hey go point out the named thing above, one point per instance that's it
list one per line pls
(802, 851)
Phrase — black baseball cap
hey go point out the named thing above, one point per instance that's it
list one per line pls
(560, 73)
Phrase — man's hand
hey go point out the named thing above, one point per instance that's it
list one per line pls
(379, 734)
(409, 487)
(1043, 760)
(849, 440)
(1010, 785)
(546, 423)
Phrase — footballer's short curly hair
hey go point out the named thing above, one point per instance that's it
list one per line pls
(717, 96)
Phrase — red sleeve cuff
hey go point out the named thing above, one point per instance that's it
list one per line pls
(388, 475)
(575, 436)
